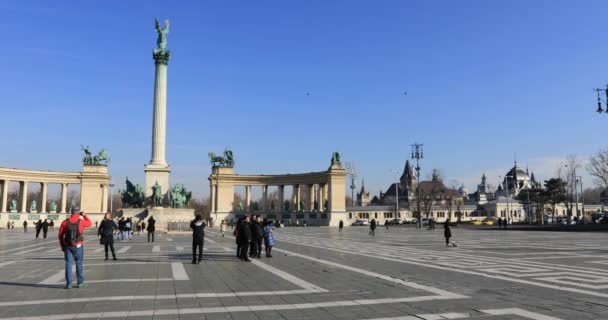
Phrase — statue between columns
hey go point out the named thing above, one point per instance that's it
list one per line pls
(13, 205)
(33, 207)
(53, 206)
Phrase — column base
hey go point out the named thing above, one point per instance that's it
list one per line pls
(157, 173)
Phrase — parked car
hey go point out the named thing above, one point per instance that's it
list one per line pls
(360, 223)
(394, 222)
(425, 222)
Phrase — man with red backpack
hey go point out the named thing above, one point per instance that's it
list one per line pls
(71, 239)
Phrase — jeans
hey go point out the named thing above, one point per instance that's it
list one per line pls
(72, 253)
(197, 245)
(150, 233)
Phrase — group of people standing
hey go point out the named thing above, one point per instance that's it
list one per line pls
(250, 232)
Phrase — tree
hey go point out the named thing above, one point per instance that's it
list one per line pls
(569, 177)
(428, 198)
(598, 167)
(459, 202)
(534, 195)
(592, 195)
(555, 193)
(201, 206)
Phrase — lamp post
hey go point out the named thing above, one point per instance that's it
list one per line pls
(599, 100)
(417, 154)
(579, 178)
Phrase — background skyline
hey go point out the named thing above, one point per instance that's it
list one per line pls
(286, 84)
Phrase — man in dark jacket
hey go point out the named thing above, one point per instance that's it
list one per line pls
(372, 228)
(244, 238)
(198, 237)
(106, 230)
(45, 228)
(151, 228)
(38, 228)
(257, 235)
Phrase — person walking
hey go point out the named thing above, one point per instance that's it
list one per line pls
(12, 225)
(499, 222)
(151, 228)
(128, 229)
(121, 228)
(269, 241)
(71, 240)
(25, 226)
(45, 228)
(38, 228)
(372, 228)
(447, 233)
(52, 226)
(223, 228)
(340, 226)
(244, 238)
(198, 237)
(143, 226)
(386, 224)
(105, 232)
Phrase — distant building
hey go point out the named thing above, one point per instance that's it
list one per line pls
(363, 196)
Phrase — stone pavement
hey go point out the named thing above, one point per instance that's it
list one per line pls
(316, 273)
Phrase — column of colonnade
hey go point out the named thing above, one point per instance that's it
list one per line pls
(4, 204)
(44, 187)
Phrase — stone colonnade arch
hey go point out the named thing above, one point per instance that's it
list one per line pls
(327, 188)
(93, 180)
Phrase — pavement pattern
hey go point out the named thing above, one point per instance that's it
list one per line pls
(315, 273)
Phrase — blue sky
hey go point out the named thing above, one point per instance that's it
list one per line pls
(484, 79)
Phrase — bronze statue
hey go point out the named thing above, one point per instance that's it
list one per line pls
(335, 158)
(161, 41)
(157, 197)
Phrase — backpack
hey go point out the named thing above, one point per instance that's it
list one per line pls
(72, 233)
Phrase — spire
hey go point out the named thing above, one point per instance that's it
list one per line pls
(407, 179)
(362, 187)
(483, 178)
(435, 175)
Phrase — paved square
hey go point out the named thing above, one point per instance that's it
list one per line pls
(316, 273)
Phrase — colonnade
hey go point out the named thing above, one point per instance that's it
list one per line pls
(316, 194)
(326, 188)
(93, 181)
(23, 195)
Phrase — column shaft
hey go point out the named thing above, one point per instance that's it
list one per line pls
(323, 197)
(265, 199)
(281, 206)
(64, 198)
(4, 196)
(212, 198)
(23, 196)
(297, 197)
(44, 186)
(159, 122)
(247, 198)
(104, 198)
(311, 200)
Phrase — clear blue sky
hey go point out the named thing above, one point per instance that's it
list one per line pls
(484, 79)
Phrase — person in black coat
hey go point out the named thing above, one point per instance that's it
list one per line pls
(38, 228)
(106, 230)
(372, 228)
(244, 238)
(45, 228)
(340, 226)
(151, 228)
(447, 232)
(257, 236)
(198, 226)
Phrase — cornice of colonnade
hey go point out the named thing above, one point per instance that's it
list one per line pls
(278, 179)
(43, 176)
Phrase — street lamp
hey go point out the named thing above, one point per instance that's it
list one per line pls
(417, 154)
(599, 100)
(579, 178)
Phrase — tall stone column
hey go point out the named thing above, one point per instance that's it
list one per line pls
(265, 198)
(44, 186)
(323, 197)
(296, 197)
(247, 198)
(104, 198)
(212, 198)
(157, 171)
(311, 198)
(64, 198)
(23, 196)
(281, 206)
(4, 196)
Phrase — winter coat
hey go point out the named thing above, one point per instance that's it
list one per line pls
(198, 230)
(244, 233)
(446, 230)
(257, 231)
(151, 225)
(268, 236)
(85, 222)
(106, 231)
